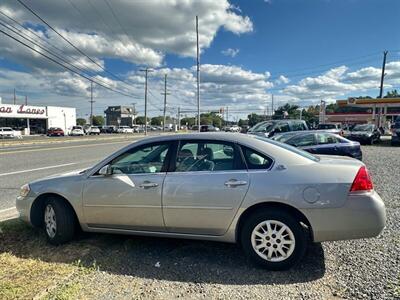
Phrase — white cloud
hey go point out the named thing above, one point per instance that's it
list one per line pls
(230, 52)
(282, 80)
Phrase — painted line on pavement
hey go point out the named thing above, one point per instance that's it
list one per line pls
(58, 148)
(38, 169)
(6, 210)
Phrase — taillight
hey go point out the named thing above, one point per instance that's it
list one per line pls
(362, 182)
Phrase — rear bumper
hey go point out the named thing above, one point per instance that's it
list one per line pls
(362, 216)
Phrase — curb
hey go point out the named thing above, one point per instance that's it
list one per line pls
(8, 214)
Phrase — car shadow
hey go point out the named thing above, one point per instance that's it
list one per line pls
(158, 258)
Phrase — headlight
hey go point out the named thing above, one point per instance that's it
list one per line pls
(24, 191)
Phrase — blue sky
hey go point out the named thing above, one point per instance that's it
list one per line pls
(299, 50)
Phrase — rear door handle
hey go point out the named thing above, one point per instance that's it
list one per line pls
(235, 183)
(148, 184)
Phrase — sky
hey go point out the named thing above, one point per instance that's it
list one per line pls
(301, 51)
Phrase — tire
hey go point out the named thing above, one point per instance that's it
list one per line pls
(294, 232)
(64, 220)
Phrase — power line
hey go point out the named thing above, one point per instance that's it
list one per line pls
(62, 65)
(115, 17)
(68, 41)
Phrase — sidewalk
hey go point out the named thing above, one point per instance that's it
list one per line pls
(8, 214)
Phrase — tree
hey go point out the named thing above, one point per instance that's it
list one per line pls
(211, 119)
(290, 109)
(392, 94)
(254, 119)
(188, 121)
(80, 121)
(243, 122)
(98, 120)
(157, 120)
(140, 120)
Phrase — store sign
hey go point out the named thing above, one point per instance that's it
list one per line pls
(22, 111)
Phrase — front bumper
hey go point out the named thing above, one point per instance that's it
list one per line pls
(23, 205)
(362, 216)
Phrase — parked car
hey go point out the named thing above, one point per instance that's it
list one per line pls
(55, 131)
(77, 131)
(108, 129)
(124, 129)
(317, 142)
(269, 128)
(270, 197)
(396, 133)
(7, 132)
(365, 134)
(244, 128)
(208, 128)
(335, 128)
(93, 130)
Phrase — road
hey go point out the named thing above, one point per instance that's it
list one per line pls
(22, 162)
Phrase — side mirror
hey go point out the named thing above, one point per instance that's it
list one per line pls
(106, 170)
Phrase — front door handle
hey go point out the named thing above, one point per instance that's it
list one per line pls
(235, 183)
(148, 184)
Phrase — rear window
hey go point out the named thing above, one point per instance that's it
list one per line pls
(289, 148)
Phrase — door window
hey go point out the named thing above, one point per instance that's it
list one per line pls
(145, 159)
(302, 140)
(206, 156)
(326, 139)
(282, 127)
(256, 160)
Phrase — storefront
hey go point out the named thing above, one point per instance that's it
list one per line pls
(36, 119)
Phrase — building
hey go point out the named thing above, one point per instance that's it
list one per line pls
(120, 115)
(377, 111)
(36, 119)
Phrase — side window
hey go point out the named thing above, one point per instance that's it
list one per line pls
(282, 127)
(302, 140)
(256, 160)
(145, 159)
(206, 156)
(326, 139)
(297, 126)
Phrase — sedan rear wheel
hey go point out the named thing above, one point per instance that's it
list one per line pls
(274, 239)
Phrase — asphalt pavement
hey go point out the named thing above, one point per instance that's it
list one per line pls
(28, 160)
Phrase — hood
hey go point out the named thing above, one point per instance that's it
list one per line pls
(62, 175)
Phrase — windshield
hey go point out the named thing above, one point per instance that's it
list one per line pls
(262, 127)
(290, 148)
(364, 127)
(284, 137)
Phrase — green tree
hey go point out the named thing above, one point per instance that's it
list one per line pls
(243, 122)
(188, 121)
(392, 94)
(157, 120)
(254, 119)
(290, 109)
(80, 121)
(98, 120)
(140, 120)
(211, 119)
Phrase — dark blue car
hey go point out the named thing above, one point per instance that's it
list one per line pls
(317, 142)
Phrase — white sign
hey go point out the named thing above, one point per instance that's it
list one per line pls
(22, 111)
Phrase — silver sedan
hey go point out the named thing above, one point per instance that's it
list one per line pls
(269, 197)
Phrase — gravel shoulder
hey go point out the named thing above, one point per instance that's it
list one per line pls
(120, 267)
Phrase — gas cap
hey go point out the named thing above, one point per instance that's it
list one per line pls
(311, 194)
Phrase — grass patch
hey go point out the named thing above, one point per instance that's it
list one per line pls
(65, 292)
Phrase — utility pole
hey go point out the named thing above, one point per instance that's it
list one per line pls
(165, 101)
(91, 103)
(134, 112)
(272, 105)
(198, 73)
(227, 115)
(15, 97)
(179, 117)
(383, 73)
(146, 71)
(26, 100)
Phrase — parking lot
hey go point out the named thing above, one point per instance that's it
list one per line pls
(107, 266)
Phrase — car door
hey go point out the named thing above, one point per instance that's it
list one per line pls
(327, 144)
(203, 193)
(130, 197)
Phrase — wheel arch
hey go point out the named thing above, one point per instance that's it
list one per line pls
(273, 205)
(37, 208)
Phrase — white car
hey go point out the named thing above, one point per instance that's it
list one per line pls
(77, 131)
(8, 132)
(93, 130)
(124, 129)
(234, 128)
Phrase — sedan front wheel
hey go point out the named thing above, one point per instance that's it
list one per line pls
(59, 221)
(274, 239)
